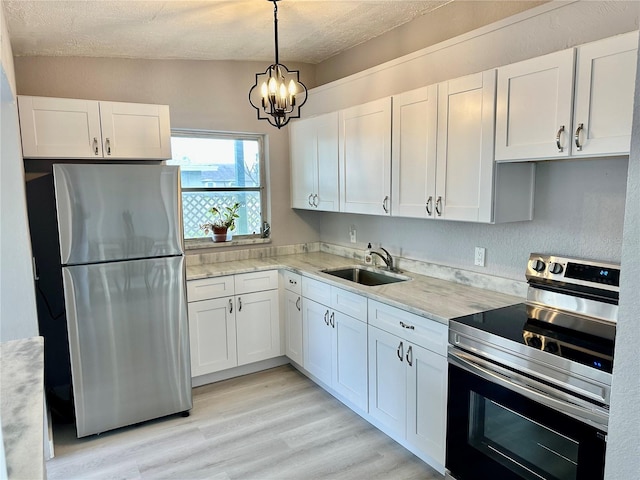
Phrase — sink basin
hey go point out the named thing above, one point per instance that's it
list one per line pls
(366, 276)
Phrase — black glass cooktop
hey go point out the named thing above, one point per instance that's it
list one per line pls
(586, 341)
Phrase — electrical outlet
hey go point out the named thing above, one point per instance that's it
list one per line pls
(352, 234)
(479, 259)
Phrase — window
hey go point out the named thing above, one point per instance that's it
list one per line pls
(218, 170)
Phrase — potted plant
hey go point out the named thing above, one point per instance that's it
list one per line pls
(224, 221)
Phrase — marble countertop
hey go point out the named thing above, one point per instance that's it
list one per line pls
(22, 406)
(432, 298)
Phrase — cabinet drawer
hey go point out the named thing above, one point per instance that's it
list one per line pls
(208, 288)
(349, 303)
(419, 330)
(256, 281)
(292, 281)
(317, 291)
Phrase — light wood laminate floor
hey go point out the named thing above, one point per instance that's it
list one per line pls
(275, 424)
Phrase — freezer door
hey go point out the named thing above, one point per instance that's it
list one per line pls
(128, 340)
(117, 212)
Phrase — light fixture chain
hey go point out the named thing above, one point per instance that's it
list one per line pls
(275, 27)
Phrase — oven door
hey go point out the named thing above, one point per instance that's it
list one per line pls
(494, 432)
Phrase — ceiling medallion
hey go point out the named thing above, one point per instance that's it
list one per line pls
(281, 94)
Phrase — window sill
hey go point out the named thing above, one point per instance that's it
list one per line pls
(201, 243)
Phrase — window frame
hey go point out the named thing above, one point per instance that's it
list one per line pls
(200, 242)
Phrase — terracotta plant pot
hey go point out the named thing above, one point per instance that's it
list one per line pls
(219, 234)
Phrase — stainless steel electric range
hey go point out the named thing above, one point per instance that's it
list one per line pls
(529, 384)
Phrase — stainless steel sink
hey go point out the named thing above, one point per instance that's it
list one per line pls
(366, 276)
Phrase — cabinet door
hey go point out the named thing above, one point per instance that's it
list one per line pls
(327, 163)
(365, 158)
(257, 326)
(59, 128)
(534, 107)
(314, 163)
(350, 358)
(413, 165)
(212, 333)
(135, 131)
(317, 340)
(387, 380)
(464, 172)
(605, 83)
(427, 402)
(293, 326)
(303, 144)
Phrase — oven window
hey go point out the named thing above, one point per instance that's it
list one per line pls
(525, 447)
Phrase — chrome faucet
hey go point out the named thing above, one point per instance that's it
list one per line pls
(388, 259)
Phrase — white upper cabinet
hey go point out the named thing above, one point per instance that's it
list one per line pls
(443, 165)
(365, 158)
(533, 112)
(539, 117)
(72, 128)
(314, 163)
(135, 130)
(59, 128)
(464, 171)
(413, 164)
(605, 82)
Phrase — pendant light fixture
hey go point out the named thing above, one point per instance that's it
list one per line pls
(278, 93)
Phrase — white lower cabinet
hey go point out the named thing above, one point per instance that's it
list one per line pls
(335, 344)
(229, 330)
(407, 382)
(257, 326)
(212, 333)
(293, 326)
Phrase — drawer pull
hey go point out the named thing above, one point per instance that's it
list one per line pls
(407, 326)
(332, 319)
(230, 306)
(326, 317)
(293, 282)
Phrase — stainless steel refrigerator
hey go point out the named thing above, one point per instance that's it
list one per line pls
(123, 273)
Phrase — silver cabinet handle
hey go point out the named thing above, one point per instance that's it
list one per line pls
(239, 304)
(230, 306)
(309, 200)
(410, 356)
(315, 200)
(576, 137)
(108, 146)
(439, 206)
(332, 319)
(326, 317)
(384, 204)
(95, 145)
(298, 303)
(407, 326)
(428, 205)
(400, 351)
(560, 149)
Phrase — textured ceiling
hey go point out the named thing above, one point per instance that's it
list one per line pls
(309, 31)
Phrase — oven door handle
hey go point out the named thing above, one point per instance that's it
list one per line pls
(472, 365)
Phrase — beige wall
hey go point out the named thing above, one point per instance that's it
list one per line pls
(453, 19)
(201, 95)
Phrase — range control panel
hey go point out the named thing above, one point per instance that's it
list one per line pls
(588, 273)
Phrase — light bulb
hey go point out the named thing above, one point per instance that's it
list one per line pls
(264, 91)
(292, 88)
(273, 86)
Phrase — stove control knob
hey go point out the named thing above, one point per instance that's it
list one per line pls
(555, 267)
(551, 347)
(534, 342)
(537, 265)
